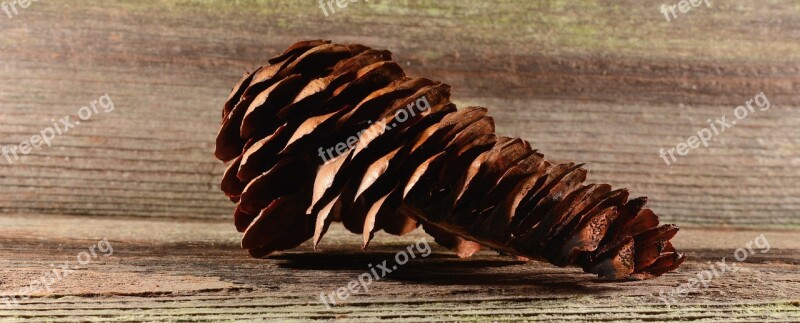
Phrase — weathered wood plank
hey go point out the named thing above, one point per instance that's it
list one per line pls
(605, 82)
(194, 270)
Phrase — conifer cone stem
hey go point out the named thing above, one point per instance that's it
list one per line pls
(339, 133)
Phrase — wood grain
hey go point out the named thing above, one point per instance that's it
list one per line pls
(167, 270)
(603, 82)
(607, 82)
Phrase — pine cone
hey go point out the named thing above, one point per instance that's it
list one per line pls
(301, 159)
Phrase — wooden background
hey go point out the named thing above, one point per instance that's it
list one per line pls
(606, 82)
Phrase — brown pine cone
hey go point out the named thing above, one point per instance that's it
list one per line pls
(301, 159)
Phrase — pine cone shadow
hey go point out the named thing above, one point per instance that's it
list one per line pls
(449, 270)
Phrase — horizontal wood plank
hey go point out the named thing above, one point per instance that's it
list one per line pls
(604, 82)
(194, 270)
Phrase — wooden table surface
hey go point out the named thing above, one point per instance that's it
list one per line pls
(607, 82)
